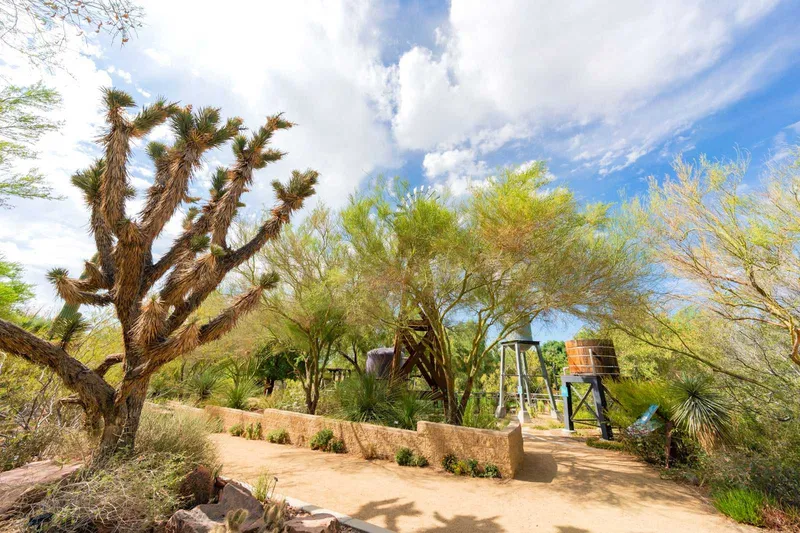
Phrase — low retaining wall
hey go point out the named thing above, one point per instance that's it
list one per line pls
(434, 441)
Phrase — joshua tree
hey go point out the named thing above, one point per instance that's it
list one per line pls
(154, 300)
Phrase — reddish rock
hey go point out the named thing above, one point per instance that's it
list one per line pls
(198, 487)
(318, 523)
(18, 487)
(204, 518)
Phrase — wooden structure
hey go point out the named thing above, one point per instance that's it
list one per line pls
(417, 340)
(592, 357)
(590, 361)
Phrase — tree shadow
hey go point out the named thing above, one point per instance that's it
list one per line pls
(464, 523)
(390, 510)
(570, 529)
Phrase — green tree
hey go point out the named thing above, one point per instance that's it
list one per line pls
(306, 314)
(21, 125)
(155, 299)
(13, 291)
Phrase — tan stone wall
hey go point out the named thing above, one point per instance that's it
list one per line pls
(434, 441)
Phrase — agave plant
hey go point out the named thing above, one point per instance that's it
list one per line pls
(203, 381)
(699, 409)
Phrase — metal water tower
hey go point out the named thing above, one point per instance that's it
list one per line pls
(521, 341)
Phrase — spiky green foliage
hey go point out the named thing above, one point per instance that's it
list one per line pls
(156, 299)
(699, 408)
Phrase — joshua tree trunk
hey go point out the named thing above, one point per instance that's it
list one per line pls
(156, 323)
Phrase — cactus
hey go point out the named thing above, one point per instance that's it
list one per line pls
(274, 517)
(233, 522)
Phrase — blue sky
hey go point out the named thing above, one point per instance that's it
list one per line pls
(440, 93)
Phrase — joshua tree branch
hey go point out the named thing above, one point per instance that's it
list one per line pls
(90, 387)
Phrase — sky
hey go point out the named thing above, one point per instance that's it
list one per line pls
(608, 93)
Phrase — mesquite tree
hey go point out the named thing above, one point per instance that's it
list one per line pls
(154, 299)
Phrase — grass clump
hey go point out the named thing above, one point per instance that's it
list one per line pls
(278, 436)
(595, 442)
(264, 486)
(449, 462)
(237, 430)
(324, 441)
(470, 467)
(743, 505)
(131, 492)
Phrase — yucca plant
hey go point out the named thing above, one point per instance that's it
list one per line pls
(408, 408)
(699, 409)
(364, 398)
(203, 382)
(155, 297)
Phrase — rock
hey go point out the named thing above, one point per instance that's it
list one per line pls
(204, 518)
(318, 523)
(18, 487)
(197, 487)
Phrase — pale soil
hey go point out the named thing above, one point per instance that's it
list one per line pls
(564, 487)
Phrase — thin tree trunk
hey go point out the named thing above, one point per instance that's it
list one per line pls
(668, 446)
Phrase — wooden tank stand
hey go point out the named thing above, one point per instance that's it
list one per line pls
(598, 395)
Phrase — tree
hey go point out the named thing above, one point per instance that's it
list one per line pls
(13, 290)
(155, 300)
(497, 259)
(727, 251)
(306, 312)
(22, 125)
(40, 29)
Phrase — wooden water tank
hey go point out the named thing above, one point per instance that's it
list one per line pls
(592, 357)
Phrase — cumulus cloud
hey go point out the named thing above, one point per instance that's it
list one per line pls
(624, 76)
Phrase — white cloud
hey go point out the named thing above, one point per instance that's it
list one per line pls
(143, 92)
(624, 76)
(122, 74)
(159, 57)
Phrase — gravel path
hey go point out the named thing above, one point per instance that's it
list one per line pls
(564, 487)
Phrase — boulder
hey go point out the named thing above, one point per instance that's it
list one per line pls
(318, 523)
(204, 518)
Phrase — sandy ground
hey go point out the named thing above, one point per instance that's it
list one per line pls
(564, 487)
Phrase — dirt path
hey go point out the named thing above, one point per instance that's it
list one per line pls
(564, 487)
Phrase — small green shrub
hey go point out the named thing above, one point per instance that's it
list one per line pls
(253, 431)
(473, 468)
(178, 434)
(449, 462)
(743, 505)
(237, 430)
(460, 468)
(336, 446)
(419, 461)
(321, 440)
(263, 486)
(278, 436)
(404, 457)
(479, 415)
(491, 471)
(594, 442)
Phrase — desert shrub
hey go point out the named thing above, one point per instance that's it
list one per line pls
(321, 440)
(595, 442)
(408, 408)
(479, 415)
(176, 434)
(460, 468)
(253, 431)
(336, 446)
(203, 383)
(491, 471)
(236, 394)
(404, 456)
(23, 447)
(419, 461)
(743, 505)
(237, 430)
(289, 398)
(216, 424)
(363, 398)
(473, 467)
(274, 516)
(264, 485)
(449, 462)
(278, 436)
(126, 495)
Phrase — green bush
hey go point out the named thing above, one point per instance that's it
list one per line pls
(238, 393)
(237, 430)
(408, 408)
(743, 505)
(253, 431)
(419, 461)
(479, 415)
(177, 434)
(449, 462)
(473, 468)
(602, 444)
(25, 446)
(336, 446)
(491, 471)
(363, 398)
(278, 436)
(460, 468)
(404, 457)
(321, 440)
